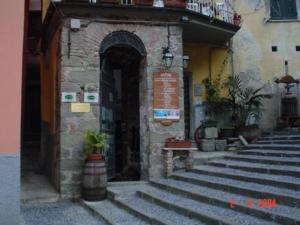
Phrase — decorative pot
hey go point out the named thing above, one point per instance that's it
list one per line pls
(94, 182)
(175, 4)
(144, 2)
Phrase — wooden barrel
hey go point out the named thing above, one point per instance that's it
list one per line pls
(94, 179)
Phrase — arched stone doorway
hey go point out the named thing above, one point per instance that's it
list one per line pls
(121, 55)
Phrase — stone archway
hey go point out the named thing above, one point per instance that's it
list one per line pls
(123, 38)
(121, 54)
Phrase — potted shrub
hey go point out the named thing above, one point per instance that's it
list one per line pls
(94, 173)
(246, 106)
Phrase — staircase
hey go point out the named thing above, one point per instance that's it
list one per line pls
(222, 191)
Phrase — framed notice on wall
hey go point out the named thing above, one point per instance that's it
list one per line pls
(166, 96)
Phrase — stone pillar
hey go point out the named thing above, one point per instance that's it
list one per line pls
(168, 162)
(189, 162)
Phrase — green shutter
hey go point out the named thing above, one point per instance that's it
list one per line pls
(283, 9)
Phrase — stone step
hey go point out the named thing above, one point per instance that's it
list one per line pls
(296, 142)
(282, 195)
(270, 153)
(273, 147)
(281, 214)
(266, 160)
(155, 214)
(112, 214)
(260, 178)
(257, 167)
(204, 212)
(280, 137)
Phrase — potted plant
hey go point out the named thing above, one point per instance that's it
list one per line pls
(94, 173)
(246, 106)
(144, 2)
(175, 3)
(237, 19)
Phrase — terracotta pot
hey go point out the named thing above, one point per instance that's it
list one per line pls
(179, 144)
(112, 2)
(95, 157)
(144, 2)
(175, 4)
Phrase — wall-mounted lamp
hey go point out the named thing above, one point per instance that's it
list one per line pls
(167, 57)
(186, 61)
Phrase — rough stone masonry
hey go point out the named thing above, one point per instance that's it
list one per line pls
(82, 68)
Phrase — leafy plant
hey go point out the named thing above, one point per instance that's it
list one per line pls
(95, 142)
(243, 101)
(213, 99)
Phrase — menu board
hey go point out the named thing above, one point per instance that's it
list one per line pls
(166, 95)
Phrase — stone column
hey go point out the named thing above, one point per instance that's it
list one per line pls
(168, 162)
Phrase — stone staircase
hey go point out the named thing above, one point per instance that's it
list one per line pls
(268, 169)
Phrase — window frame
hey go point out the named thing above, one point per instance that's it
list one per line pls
(285, 14)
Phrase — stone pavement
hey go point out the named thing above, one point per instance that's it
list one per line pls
(60, 213)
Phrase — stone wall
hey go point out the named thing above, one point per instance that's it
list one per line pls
(83, 69)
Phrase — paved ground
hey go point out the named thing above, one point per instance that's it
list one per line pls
(62, 213)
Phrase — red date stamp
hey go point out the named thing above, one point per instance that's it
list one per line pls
(259, 203)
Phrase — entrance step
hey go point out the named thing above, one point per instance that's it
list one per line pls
(207, 213)
(270, 153)
(273, 147)
(112, 214)
(280, 137)
(257, 167)
(259, 178)
(292, 161)
(278, 142)
(283, 195)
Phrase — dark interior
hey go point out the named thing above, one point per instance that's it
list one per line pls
(120, 95)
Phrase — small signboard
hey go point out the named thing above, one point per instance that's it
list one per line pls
(80, 107)
(91, 97)
(166, 97)
(68, 97)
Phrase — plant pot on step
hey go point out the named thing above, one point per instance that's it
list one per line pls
(175, 4)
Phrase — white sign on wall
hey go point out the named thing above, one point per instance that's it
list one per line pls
(68, 97)
(91, 97)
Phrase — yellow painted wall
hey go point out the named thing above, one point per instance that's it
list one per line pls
(201, 56)
(253, 57)
(45, 5)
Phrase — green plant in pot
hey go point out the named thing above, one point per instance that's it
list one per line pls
(94, 181)
(95, 143)
(245, 104)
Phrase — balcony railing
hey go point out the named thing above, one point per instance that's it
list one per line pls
(219, 9)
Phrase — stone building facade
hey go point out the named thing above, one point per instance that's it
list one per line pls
(88, 57)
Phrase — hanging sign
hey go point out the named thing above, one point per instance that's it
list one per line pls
(166, 96)
(68, 96)
(91, 97)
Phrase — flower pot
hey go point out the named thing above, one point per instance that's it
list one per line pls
(111, 2)
(178, 144)
(94, 182)
(250, 133)
(175, 4)
(144, 2)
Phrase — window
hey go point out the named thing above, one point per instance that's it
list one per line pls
(283, 9)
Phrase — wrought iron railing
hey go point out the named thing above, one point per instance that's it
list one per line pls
(219, 9)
